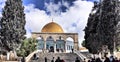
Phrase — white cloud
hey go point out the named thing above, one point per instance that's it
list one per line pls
(2, 3)
(74, 20)
(54, 9)
(76, 15)
(35, 18)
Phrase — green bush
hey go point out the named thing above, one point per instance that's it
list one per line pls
(27, 47)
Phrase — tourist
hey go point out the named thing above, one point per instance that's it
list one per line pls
(102, 59)
(84, 60)
(107, 59)
(45, 59)
(89, 61)
(52, 60)
(77, 60)
(34, 56)
(116, 60)
(23, 59)
(93, 60)
(62, 60)
(72, 50)
(58, 59)
(112, 59)
(98, 60)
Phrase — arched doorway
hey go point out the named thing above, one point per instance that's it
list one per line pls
(69, 44)
(60, 44)
(40, 44)
(50, 44)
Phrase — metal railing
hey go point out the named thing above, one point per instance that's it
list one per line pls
(80, 55)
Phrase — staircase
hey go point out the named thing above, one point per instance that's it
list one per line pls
(86, 54)
(67, 57)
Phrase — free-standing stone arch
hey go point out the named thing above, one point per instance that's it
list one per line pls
(69, 44)
(55, 36)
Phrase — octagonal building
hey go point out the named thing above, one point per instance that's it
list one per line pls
(52, 38)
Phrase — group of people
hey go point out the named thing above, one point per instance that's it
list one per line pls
(106, 59)
(57, 60)
(60, 60)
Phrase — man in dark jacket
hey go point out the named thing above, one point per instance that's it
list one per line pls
(58, 59)
(77, 60)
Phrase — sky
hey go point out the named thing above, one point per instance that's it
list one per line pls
(71, 15)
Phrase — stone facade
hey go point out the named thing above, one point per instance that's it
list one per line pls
(57, 36)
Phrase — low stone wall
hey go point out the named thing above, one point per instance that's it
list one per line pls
(117, 55)
(3, 58)
(8, 61)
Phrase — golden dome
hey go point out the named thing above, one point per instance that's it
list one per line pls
(52, 27)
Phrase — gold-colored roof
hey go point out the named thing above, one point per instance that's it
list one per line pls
(52, 27)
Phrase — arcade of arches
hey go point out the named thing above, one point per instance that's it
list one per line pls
(53, 39)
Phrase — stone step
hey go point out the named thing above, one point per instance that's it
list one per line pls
(68, 57)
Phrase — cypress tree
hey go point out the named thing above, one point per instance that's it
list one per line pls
(91, 30)
(107, 26)
(12, 25)
(102, 26)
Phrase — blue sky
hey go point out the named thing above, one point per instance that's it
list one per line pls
(72, 15)
(40, 4)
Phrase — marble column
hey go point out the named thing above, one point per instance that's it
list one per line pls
(44, 46)
(65, 46)
(54, 47)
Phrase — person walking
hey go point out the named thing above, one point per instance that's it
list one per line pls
(72, 50)
(62, 60)
(112, 59)
(34, 56)
(84, 60)
(107, 59)
(58, 59)
(93, 60)
(23, 59)
(45, 59)
(98, 60)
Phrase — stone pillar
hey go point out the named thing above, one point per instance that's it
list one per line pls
(44, 46)
(76, 47)
(65, 46)
(54, 47)
(54, 40)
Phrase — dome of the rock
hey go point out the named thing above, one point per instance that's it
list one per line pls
(52, 27)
